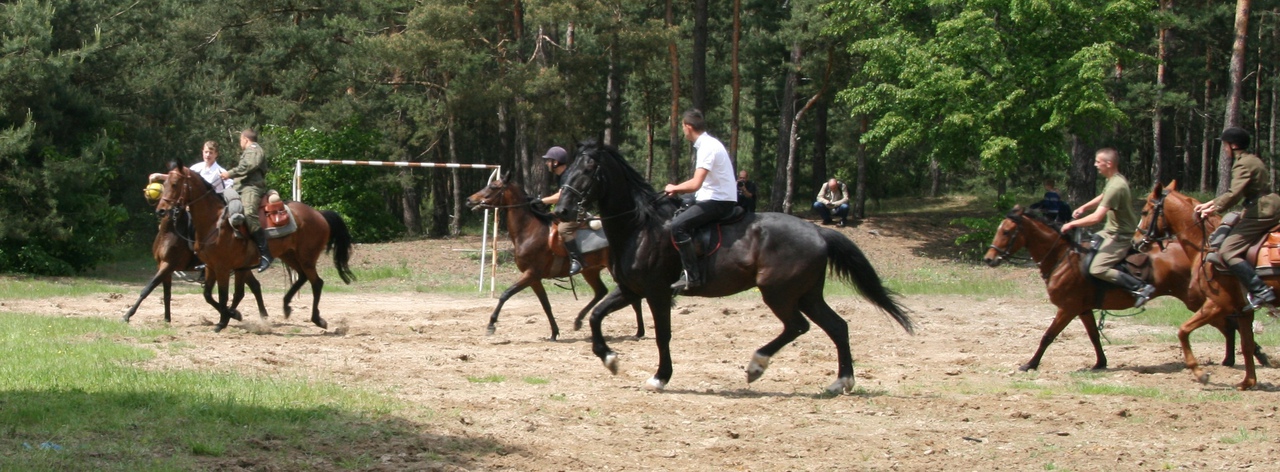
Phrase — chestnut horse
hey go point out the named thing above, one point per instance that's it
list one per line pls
(1169, 210)
(786, 257)
(222, 252)
(172, 252)
(530, 232)
(1074, 292)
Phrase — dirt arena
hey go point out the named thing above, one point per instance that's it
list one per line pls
(948, 398)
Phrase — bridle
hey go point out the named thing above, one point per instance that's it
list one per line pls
(484, 204)
(1149, 233)
(179, 206)
(1006, 253)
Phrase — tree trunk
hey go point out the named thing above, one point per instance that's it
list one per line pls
(455, 182)
(439, 210)
(410, 201)
(787, 106)
(1205, 143)
(613, 99)
(1231, 117)
(935, 177)
(699, 54)
(1158, 158)
(676, 143)
(860, 193)
(737, 85)
(1082, 182)
(820, 117)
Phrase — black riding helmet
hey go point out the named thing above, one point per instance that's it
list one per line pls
(558, 154)
(1237, 136)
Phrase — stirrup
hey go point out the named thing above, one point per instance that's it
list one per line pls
(1265, 298)
(1142, 295)
(685, 282)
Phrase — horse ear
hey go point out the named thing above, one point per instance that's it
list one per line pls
(505, 177)
(1173, 185)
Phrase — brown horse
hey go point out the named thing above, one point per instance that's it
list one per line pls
(222, 252)
(172, 252)
(1074, 292)
(530, 232)
(1169, 210)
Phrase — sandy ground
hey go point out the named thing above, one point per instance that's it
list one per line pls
(948, 398)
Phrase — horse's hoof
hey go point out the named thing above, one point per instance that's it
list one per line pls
(1026, 367)
(1263, 360)
(1203, 378)
(219, 327)
(1246, 385)
(611, 362)
(577, 325)
(490, 330)
(841, 385)
(125, 319)
(287, 311)
(322, 324)
(1228, 362)
(757, 366)
(235, 315)
(654, 385)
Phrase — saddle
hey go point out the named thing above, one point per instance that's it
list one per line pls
(1264, 254)
(707, 238)
(589, 241)
(275, 216)
(1135, 263)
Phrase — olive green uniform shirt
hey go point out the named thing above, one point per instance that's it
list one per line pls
(1121, 217)
(251, 171)
(1249, 183)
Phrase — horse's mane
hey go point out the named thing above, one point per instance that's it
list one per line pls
(648, 203)
(1017, 213)
(522, 197)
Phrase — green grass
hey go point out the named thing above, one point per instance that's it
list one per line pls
(1242, 435)
(493, 378)
(1169, 312)
(76, 394)
(15, 287)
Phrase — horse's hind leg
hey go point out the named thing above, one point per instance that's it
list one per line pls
(785, 307)
(256, 287)
(598, 291)
(293, 290)
(541, 292)
(1095, 337)
(511, 291)
(612, 302)
(317, 285)
(813, 305)
(151, 285)
(639, 319)
(1208, 311)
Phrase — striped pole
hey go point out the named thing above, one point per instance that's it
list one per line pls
(485, 242)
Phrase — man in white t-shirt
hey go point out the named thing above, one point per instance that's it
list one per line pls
(715, 191)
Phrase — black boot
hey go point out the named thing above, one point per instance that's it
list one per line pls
(575, 257)
(1141, 291)
(265, 258)
(691, 278)
(1259, 292)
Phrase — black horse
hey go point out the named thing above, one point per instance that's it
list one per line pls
(785, 256)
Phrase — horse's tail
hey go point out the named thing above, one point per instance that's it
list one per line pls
(848, 262)
(339, 243)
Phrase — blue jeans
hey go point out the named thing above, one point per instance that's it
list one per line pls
(842, 211)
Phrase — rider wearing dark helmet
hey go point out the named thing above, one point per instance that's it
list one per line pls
(557, 160)
(1249, 184)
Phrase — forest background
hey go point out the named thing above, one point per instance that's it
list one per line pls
(899, 98)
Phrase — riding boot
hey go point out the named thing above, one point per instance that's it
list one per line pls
(1141, 291)
(265, 252)
(575, 257)
(691, 278)
(1259, 292)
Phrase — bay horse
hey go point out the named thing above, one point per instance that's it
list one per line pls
(530, 233)
(216, 244)
(1074, 291)
(172, 252)
(783, 255)
(1172, 211)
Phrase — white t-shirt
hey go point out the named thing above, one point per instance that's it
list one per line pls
(720, 184)
(213, 175)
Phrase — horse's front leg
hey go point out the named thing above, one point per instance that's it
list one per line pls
(256, 288)
(541, 292)
(293, 290)
(515, 288)
(1060, 321)
(660, 307)
(224, 314)
(151, 285)
(612, 302)
(317, 285)
(1091, 327)
(1208, 311)
(1247, 347)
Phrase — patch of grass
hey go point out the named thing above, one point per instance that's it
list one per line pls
(15, 287)
(78, 394)
(1170, 312)
(947, 280)
(536, 381)
(558, 397)
(1243, 435)
(492, 378)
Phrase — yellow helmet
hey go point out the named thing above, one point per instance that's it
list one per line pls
(153, 191)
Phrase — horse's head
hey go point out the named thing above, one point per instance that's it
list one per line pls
(182, 187)
(1009, 238)
(496, 194)
(580, 184)
(1154, 225)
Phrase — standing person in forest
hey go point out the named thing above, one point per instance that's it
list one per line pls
(251, 183)
(1251, 186)
(833, 197)
(714, 189)
(1052, 206)
(557, 160)
(1115, 205)
(746, 192)
(209, 169)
